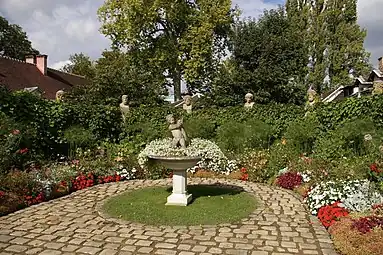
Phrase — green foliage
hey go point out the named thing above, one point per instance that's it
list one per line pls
(180, 38)
(336, 49)
(200, 127)
(14, 42)
(81, 64)
(302, 134)
(268, 60)
(353, 138)
(280, 156)
(237, 137)
(119, 73)
(78, 138)
(46, 120)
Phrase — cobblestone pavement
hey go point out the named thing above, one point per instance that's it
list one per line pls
(73, 225)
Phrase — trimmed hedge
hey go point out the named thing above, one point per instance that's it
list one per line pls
(50, 119)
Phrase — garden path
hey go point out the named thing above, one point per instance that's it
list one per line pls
(73, 225)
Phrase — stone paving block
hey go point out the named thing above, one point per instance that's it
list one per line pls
(16, 248)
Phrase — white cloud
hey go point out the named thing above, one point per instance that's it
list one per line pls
(58, 28)
(63, 27)
(370, 17)
(60, 64)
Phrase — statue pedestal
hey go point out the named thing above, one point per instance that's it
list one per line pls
(179, 196)
(179, 165)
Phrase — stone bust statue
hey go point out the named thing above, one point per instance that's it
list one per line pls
(124, 107)
(177, 130)
(312, 96)
(249, 101)
(59, 95)
(187, 105)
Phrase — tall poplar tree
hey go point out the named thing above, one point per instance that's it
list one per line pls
(333, 39)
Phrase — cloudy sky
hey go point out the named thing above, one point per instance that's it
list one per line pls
(59, 28)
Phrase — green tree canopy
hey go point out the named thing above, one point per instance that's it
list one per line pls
(81, 64)
(186, 39)
(268, 59)
(14, 42)
(116, 74)
(333, 39)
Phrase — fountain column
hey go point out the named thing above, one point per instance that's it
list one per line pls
(179, 194)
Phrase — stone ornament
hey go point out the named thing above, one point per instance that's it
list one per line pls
(177, 130)
(312, 96)
(249, 101)
(60, 95)
(187, 105)
(124, 107)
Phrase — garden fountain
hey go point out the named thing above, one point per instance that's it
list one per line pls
(178, 164)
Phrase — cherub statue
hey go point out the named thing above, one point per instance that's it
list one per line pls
(178, 132)
(187, 106)
(124, 107)
(249, 101)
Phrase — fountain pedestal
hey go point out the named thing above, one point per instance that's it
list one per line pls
(179, 195)
(179, 165)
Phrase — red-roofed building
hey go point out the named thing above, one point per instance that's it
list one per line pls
(33, 74)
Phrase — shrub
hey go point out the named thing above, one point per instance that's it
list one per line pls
(289, 180)
(329, 214)
(237, 137)
(302, 134)
(79, 138)
(281, 156)
(255, 163)
(200, 127)
(354, 138)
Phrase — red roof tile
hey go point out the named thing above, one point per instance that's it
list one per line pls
(17, 75)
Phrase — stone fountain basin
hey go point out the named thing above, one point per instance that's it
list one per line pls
(176, 163)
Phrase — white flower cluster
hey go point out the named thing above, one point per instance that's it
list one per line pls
(354, 195)
(127, 175)
(362, 198)
(212, 157)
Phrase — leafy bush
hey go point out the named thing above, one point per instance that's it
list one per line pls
(302, 134)
(200, 127)
(255, 163)
(237, 137)
(366, 224)
(354, 138)
(79, 137)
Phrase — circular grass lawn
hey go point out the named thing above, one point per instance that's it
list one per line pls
(210, 205)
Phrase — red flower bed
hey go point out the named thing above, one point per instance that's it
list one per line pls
(374, 168)
(289, 180)
(109, 178)
(366, 224)
(329, 214)
(34, 199)
(245, 175)
(83, 181)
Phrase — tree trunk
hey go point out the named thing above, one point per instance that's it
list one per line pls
(177, 85)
